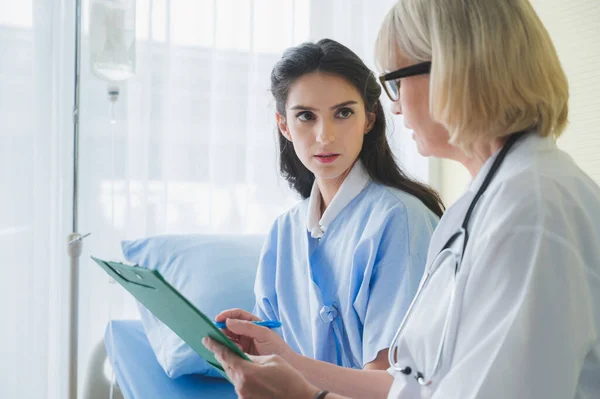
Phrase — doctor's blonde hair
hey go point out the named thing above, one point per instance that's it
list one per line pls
(494, 70)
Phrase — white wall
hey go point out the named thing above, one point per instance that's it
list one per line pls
(575, 29)
(453, 182)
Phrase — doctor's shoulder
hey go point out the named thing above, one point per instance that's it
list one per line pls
(543, 198)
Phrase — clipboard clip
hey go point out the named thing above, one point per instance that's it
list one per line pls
(126, 279)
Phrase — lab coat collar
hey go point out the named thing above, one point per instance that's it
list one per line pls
(355, 182)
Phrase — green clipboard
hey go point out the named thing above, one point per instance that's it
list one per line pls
(170, 307)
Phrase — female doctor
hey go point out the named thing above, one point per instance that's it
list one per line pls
(509, 306)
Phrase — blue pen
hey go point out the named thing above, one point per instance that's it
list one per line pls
(267, 323)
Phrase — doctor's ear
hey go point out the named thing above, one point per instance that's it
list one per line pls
(283, 126)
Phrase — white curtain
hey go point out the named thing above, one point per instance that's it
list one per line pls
(35, 156)
(193, 150)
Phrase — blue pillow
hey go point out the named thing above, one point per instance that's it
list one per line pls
(213, 272)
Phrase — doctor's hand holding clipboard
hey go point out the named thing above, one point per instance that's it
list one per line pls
(274, 362)
(267, 351)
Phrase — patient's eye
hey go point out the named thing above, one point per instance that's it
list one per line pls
(344, 113)
(305, 116)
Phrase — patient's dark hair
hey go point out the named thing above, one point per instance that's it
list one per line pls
(332, 57)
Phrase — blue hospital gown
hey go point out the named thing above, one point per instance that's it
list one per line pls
(341, 297)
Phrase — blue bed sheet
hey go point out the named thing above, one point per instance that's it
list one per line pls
(140, 376)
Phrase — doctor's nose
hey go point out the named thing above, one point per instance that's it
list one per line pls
(396, 108)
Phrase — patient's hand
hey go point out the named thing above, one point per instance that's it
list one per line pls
(252, 339)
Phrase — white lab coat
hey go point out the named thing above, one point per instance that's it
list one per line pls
(522, 315)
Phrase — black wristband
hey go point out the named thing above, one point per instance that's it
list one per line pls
(321, 395)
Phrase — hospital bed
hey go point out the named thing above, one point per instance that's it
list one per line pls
(139, 376)
(202, 261)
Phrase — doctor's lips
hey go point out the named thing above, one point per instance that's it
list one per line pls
(327, 157)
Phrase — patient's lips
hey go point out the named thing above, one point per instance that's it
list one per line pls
(327, 157)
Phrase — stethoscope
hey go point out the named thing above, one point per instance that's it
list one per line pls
(462, 233)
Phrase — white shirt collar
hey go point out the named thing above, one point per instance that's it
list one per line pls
(355, 182)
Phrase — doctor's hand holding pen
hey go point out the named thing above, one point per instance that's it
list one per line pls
(252, 338)
(277, 371)
(259, 378)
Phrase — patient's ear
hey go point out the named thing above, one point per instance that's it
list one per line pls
(283, 126)
(371, 117)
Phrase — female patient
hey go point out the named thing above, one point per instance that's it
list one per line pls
(331, 266)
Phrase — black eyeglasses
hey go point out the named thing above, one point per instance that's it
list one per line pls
(391, 81)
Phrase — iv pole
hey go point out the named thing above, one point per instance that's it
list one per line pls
(74, 240)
